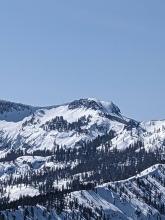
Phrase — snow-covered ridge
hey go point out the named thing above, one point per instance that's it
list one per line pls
(22, 125)
(141, 197)
(127, 199)
(10, 109)
(25, 125)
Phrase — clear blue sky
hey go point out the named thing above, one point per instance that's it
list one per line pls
(56, 51)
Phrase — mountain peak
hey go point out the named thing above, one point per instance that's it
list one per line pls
(11, 111)
(95, 104)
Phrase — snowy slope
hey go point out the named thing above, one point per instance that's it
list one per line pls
(44, 148)
(30, 131)
(28, 127)
(125, 200)
(67, 126)
(137, 197)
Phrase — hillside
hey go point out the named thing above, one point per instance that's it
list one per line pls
(78, 146)
(140, 197)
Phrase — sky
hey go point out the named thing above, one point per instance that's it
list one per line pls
(52, 52)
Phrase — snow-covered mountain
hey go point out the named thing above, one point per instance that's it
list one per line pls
(75, 146)
(68, 124)
(34, 128)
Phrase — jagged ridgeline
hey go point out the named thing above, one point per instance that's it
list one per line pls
(47, 154)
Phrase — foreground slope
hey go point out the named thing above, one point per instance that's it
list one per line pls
(140, 197)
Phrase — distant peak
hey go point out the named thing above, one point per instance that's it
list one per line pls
(11, 111)
(6, 106)
(95, 104)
